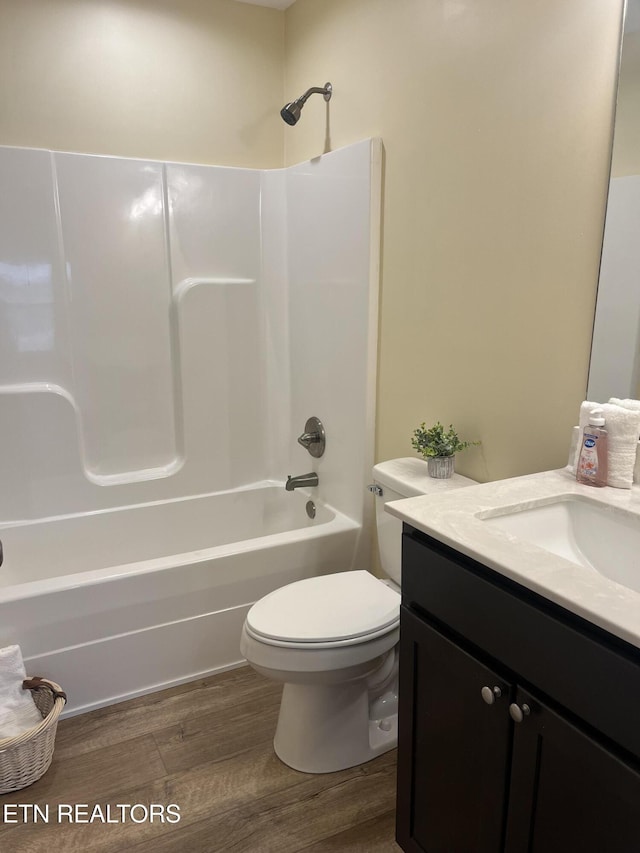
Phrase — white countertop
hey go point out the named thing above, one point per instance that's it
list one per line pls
(456, 519)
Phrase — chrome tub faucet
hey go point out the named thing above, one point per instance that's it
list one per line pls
(301, 482)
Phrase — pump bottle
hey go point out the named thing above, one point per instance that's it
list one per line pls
(592, 462)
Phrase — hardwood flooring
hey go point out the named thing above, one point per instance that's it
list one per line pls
(206, 747)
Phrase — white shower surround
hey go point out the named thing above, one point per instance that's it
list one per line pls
(168, 329)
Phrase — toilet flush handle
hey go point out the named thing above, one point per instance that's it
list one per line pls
(375, 489)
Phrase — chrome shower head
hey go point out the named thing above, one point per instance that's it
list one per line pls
(291, 111)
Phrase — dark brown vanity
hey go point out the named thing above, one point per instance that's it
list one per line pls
(519, 725)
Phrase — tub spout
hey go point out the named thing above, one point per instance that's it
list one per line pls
(301, 481)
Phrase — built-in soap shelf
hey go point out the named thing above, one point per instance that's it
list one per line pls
(44, 414)
(184, 287)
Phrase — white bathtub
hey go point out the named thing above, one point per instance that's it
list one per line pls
(117, 603)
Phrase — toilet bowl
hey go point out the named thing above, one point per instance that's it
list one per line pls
(332, 641)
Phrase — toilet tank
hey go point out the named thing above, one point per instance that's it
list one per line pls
(403, 478)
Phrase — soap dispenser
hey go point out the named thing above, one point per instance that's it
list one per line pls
(592, 462)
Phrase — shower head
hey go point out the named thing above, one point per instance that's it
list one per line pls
(291, 112)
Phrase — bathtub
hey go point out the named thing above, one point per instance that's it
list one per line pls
(117, 603)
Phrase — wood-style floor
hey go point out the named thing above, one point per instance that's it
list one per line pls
(207, 747)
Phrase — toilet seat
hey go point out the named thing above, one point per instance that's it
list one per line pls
(340, 609)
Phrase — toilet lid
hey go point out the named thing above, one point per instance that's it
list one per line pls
(329, 608)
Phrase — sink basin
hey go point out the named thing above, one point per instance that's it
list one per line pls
(582, 531)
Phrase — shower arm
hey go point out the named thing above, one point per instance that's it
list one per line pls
(325, 90)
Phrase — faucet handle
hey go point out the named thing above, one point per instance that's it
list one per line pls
(308, 438)
(313, 438)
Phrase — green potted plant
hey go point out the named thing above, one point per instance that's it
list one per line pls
(439, 447)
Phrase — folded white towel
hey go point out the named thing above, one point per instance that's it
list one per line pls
(635, 406)
(623, 428)
(17, 708)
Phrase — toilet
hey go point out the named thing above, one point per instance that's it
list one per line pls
(333, 641)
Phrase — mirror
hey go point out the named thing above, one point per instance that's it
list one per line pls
(614, 370)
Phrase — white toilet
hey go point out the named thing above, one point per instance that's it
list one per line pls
(332, 640)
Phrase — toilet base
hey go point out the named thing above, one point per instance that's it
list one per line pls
(325, 728)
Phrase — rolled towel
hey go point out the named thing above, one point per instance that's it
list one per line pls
(623, 427)
(635, 406)
(18, 712)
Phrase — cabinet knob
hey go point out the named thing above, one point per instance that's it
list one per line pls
(519, 713)
(490, 694)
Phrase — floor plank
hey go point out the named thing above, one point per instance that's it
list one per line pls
(94, 776)
(206, 747)
(372, 836)
(157, 711)
(219, 734)
(285, 821)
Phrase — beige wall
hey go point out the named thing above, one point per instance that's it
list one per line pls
(495, 117)
(194, 80)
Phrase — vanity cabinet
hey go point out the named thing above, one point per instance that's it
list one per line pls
(519, 724)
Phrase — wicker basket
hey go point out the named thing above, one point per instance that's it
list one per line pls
(26, 757)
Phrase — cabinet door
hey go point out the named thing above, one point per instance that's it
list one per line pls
(453, 747)
(568, 793)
